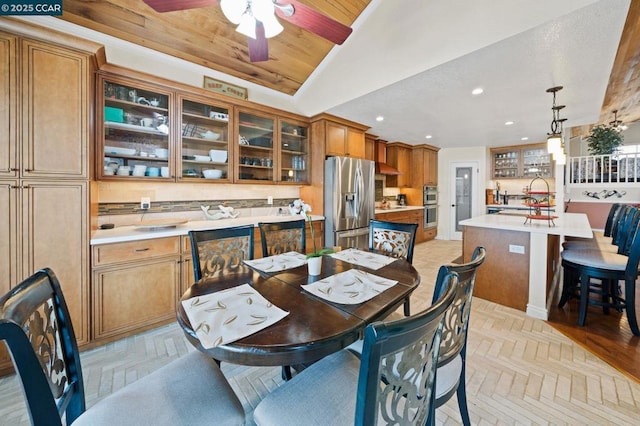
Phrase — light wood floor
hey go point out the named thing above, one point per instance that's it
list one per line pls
(520, 370)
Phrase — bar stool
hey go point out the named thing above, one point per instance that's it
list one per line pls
(582, 266)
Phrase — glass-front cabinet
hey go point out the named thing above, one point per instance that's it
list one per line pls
(294, 151)
(136, 126)
(526, 161)
(204, 140)
(256, 155)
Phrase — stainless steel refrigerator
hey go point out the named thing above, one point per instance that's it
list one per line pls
(349, 201)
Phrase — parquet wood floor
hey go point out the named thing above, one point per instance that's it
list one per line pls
(520, 370)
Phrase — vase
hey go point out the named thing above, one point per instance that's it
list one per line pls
(315, 265)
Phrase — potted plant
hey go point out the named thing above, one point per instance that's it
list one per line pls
(314, 259)
(604, 140)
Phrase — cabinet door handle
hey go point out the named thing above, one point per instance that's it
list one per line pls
(14, 169)
(28, 170)
(140, 250)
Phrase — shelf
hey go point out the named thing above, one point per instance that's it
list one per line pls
(133, 127)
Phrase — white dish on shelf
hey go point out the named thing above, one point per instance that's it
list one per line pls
(160, 223)
(218, 155)
(212, 173)
(119, 151)
(210, 135)
(202, 158)
(161, 152)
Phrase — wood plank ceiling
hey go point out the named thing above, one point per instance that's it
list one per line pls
(204, 36)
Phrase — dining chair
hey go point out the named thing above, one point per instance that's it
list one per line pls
(392, 383)
(217, 250)
(36, 326)
(452, 361)
(395, 239)
(599, 272)
(282, 237)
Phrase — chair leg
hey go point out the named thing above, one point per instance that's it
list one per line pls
(630, 302)
(568, 286)
(286, 373)
(407, 308)
(461, 394)
(584, 298)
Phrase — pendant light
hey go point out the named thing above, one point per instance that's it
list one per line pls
(554, 139)
(246, 14)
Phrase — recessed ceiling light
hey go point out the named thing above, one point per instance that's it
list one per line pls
(508, 123)
(379, 118)
(428, 137)
(477, 91)
(524, 138)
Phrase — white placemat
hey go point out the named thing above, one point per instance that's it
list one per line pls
(229, 315)
(279, 262)
(363, 258)
(350, 287)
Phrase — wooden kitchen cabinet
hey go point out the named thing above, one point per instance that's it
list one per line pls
(521, 161)
(135, 286)
(339, 137)
(399, 156)
(424, 166)
(370, 146)
(46, 96)
(406, 216)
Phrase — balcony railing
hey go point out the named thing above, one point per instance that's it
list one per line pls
(615, 168)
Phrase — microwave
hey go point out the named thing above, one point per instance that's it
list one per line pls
(430, 195)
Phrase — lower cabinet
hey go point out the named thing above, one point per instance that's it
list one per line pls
(135, 286)
(406, 216)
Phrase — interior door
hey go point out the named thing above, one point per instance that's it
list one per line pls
(463, 178)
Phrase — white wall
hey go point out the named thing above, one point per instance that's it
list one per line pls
(445, 157)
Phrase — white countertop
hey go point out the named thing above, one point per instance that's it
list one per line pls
(132, 233)
(398, 209)
(568, 224)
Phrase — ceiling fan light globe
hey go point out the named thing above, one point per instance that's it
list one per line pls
(272, 27)
(262, 10)
(234, 9)
(247, 26)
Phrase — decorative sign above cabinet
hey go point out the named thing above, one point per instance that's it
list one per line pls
(225, 88)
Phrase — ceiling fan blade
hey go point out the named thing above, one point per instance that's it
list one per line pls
(258, 47)
(171, 5)
(314, 21)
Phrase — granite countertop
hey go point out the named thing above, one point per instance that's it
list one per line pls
(397, 209)
(134, 233)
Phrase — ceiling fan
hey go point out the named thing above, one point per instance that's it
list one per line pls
(257, 19)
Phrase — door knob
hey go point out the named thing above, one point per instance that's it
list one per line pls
(453, 205)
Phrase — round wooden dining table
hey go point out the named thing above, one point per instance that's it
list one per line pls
(314, 327)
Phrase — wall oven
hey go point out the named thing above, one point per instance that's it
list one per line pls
(430, 198)
(430, 216)
(430, 195)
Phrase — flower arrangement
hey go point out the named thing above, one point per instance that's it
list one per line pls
(301, 208)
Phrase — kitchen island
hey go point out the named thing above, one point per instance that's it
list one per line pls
(523, 260)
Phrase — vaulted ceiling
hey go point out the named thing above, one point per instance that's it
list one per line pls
(416, 62)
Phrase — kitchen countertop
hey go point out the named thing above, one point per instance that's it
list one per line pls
(568, 224)
(398, 209)
(132, 233)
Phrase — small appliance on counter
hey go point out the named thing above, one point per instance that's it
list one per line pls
(402, 200)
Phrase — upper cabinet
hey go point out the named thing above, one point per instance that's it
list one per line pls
(524, 161)
(370, 146)
(256, 154)
(159, 130)
(136, 127)
(339, 137)
(399, 156)
(424, 166)
(295, 159)
(204, 140)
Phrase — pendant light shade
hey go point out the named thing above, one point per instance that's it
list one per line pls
(234, 9)
(554, 143)
(555, 146)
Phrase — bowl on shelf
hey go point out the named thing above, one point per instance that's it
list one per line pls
(202, 158)
(190, 173)
(210, 135)
(161, 152)
(218, 155)
(119, 150)
(212, 173)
